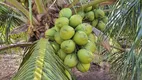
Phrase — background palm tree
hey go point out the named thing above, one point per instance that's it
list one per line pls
(125, 26)
(20, 18)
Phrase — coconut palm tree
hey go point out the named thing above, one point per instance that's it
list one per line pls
(31, 18)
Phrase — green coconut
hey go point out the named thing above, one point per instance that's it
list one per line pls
(99, 13)
(61, 21)
(105, 19)
(65, 12)
(89, 16)
(90, 46)
(101, 26)
(95, 22)
(85, 56)
(80, 38)
(67, 32)
(49, 33)
(58, 38)
(87, 28)
(82, 14)
(75, 20)
(88, 9)
(68, 46)
(83, 67)
(92, 38)
(71, 60)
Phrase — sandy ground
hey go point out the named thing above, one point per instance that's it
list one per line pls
(9, 64)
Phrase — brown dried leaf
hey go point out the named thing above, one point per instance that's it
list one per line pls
(39, 17)
(109, 2)
(106, 45)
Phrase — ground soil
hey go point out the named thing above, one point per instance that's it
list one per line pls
(96, 72)
(9, 64)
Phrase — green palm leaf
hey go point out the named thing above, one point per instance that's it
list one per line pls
(125, 26)
(9, 19)
(42, 64)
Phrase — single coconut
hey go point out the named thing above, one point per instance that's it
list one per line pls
(85, 56)
(92, 38)
(49, 33)
(80, 38)
(58, 38)
(68, 46)
(101, 26)
(89, 16)
(99, 13)
(82, 14)
(90, 46)
(105, 19)
(88, 9)
(75, 20)
(83, 67)
(65, 12)
(95, 22)
(61, 21)
(67, 32)
(71, 60)
(87, 28)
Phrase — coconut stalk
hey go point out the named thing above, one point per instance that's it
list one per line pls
(40, 6)
(91, 3)
(109, 2)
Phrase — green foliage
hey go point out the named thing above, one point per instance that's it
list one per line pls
(41, 64)
(8, 21)
(125, 25)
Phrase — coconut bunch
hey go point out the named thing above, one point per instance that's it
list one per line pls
(72, 40)
(95, 16)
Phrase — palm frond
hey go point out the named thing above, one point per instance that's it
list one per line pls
(8, 21)
(41, 64)
(125, 26)
(124, 18)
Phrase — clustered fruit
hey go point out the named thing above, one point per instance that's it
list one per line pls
(96, 17)
(72, 37)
